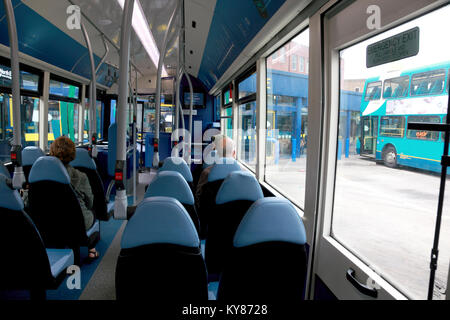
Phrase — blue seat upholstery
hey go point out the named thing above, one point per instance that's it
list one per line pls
(268, 258)
(239, 185)
(160, 256)
(83, 160)
(49, 169)
(55, 207)
(30, 155)
(28, 265)
(387, 93)
(60, 260)
(179, 165)
(268, 220)
(235, 196)
(207, 194)
(172, 184)
(222, 168)
(86, 164)
(160, 220)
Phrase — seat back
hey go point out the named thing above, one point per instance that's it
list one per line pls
(86, 164)
(268, 258)
(54, 206)
(160, 256)
(25, 264)
(29, 156)
(179, 165)
(172, 184)
(207, 196)
(235, 196)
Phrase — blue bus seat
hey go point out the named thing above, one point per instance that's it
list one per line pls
(29, 156)
(179, 165)
(235, 196)
(27, 264)
(268, 258)
(4, 170)
(86, 164)
(207, 196)
(422, 89)
(436, 87)
(172, 184)
(160, 255)
(55, 208)
(388, 92)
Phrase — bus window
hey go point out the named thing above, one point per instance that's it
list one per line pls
(287, 119)
(396, 87)
(423, 135)
(392, 126)
(373, 91)
(428, 83)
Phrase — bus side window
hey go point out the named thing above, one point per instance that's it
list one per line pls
(373, 91)
(427, 83)
(423, 135)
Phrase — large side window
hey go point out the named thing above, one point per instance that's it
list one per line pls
(428, 83)
(396, 87)
(422, 134)
(392, 126)
(373, 91)
(63, 109)
(247, 121)
(287, 121)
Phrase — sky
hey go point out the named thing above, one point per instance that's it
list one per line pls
(434, 47)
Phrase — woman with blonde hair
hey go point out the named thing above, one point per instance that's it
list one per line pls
(64, 149)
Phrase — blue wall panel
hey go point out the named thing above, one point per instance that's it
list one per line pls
(44, 41)
(234, 24)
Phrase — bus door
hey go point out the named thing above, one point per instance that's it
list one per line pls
(369, 136)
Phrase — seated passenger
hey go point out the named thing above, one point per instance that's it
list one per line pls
(64, 149)
(225, 148)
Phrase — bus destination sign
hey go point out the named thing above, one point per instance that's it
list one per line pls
(400, 46)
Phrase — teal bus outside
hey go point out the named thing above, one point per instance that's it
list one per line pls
(390, 102)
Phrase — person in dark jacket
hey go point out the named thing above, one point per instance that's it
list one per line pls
(64, 149)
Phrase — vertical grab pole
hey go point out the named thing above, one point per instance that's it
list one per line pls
(121, 202)
(16, 150)
(191, 109)
(92, 96)
(81, 115)
(158, 88)
(134, 140)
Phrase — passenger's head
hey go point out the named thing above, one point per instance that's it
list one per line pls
(64, 149)
(225, 146)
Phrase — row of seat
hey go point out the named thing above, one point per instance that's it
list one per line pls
(53, 220)
(28, 263)
(257, 244)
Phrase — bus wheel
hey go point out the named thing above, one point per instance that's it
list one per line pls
(390, 157)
